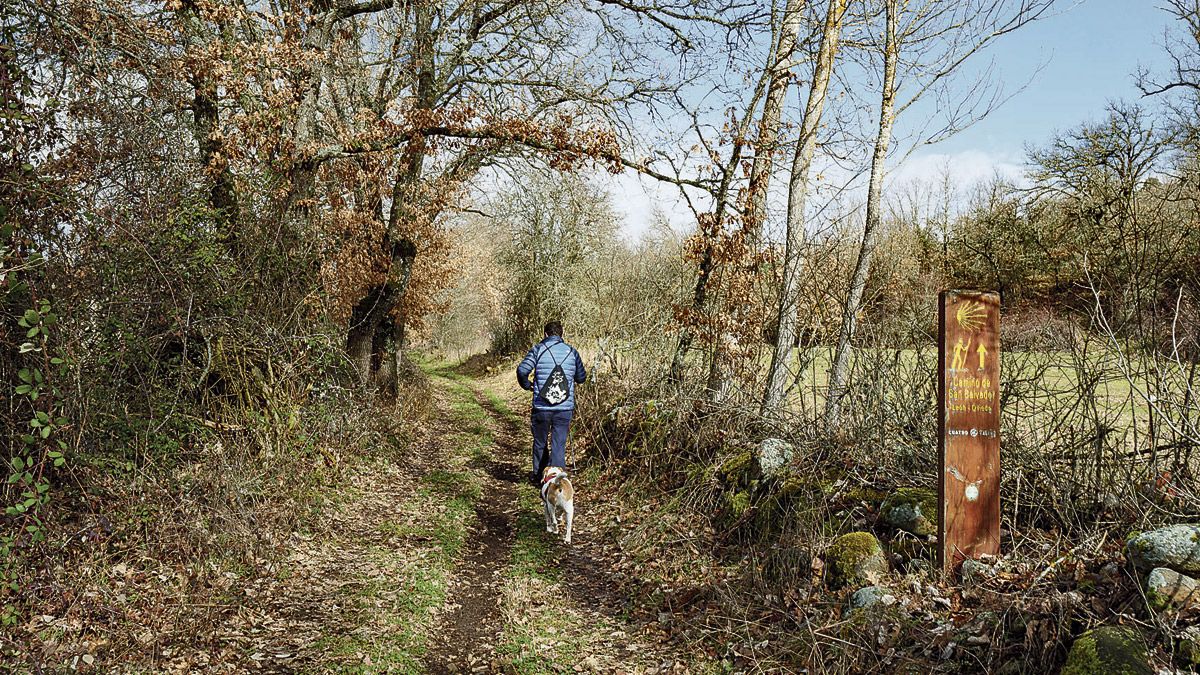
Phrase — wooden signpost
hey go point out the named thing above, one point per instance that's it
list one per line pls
(968, 426)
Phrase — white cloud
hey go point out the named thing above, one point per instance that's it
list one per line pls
(965, 168)
(640, 201)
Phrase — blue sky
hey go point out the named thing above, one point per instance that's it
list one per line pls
(1080, 56)
(1087, 53)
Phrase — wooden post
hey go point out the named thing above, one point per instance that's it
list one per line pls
(968, 426)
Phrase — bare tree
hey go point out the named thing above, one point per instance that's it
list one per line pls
(806, 145)
(1179, 86)
(774, 78)
(765, 146)
(933, 39)
(465, 85)
(883, 138)
(1183, 52)
(778, 74)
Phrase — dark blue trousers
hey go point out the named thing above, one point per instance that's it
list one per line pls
(553, 424)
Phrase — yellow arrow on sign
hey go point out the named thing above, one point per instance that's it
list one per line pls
(982, 354)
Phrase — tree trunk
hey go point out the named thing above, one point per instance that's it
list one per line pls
(768, 125)
(371, 343)
(779, 70)
(699, 301)
(385, 321)
(222, 195)
(206, 129)
(708, 263)
(796, 238)
(369, 340)
(364, 319)
(301, 172)
(858, 281)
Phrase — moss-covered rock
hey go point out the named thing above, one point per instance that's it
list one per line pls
(1108, 650)
(1189, 646)
(868, 495)
(739, 468)
(856, 557)
(1175, 546)
(795, 487)
(913, 510)
(738, 502)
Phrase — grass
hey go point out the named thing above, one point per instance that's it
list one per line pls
(411, 573)
(403, 596)
(1046, 380)
(501, 406)
(472, 433)
(533, 551)
(536, 640)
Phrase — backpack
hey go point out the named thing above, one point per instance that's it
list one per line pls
(556, 389)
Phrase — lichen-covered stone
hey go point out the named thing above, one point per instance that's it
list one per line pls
(1189, 646)
(870, 596)
(913, 510)
(1108, 650)
(774, 456)
(1165, 587)
(854, 558)
(974, 572)
(1174, 546)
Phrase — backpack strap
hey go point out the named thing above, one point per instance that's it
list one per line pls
(538, 359)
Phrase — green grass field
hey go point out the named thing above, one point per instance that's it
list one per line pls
(1037, 387)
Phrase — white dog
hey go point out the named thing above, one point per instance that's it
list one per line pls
(558, 495)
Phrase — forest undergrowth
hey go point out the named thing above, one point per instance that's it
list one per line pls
(751, 556)
(175, 565)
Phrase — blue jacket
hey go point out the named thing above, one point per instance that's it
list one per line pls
(540, 362)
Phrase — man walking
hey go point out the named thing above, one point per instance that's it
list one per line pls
(556, 367)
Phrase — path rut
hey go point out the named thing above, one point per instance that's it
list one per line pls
(470, 630)
(571, 611)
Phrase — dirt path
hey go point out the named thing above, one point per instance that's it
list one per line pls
(435, 559)
(386, 576)
(587, 563)
(472, 627)
(566, 608)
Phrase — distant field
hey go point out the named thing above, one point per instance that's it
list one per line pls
(1039, 385)
(1046, 394)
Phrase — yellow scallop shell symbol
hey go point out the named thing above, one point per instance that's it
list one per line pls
(970, 315)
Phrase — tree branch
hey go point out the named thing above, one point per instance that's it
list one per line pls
(613, 157)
